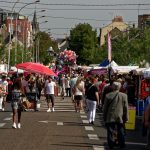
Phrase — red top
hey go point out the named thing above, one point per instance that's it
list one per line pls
(145, 89)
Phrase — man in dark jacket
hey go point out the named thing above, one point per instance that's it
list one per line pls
(115, 114)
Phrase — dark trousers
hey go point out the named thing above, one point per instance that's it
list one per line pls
(68, 92)
(118, 129)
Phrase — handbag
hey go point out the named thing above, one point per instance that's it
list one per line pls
(26, 104)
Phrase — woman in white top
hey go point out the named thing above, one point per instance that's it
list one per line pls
(78, 95)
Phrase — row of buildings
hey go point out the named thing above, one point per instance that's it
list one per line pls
(19, 26)
(118, 25)
(24, 31)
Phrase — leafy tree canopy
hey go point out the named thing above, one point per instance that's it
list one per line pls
(83, 41)
(44, 43)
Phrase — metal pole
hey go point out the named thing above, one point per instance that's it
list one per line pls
(39, 49)
(23, 39)
(10, 34)
(16, 40)
(17, 24)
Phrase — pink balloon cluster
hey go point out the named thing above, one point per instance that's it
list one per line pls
(68, 57)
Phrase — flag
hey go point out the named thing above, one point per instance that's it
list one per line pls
(109, 47)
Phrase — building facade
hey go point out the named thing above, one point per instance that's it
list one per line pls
(117, 25)
(19, 26)
(143, 20)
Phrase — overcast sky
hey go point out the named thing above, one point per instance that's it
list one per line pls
(61, 16)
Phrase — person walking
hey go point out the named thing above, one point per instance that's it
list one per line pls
(72, 83)
(115, 114)
(92, 99)
(49, 93)
(78, 95)
(4, 85)
(39, 85)
(10, 84)
(16, 101)
(62, 86)
(67, 86)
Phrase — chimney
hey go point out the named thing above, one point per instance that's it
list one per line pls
(117, 19)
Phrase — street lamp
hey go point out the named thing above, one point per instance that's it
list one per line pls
(41, 17)
(17, 24)
(28, 15)
(37, 44)
(10, 34)
(50, 51)
(43, 22)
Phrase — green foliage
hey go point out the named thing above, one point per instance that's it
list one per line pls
(19, 54)
(84, 42)
(132, 47)
(44, 43)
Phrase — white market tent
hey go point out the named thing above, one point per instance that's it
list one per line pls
(146, 73)
(138, 71)
(123, 69)
(113, 64)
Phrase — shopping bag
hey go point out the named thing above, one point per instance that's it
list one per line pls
(26, 104)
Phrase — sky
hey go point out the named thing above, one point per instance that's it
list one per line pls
(62, 15)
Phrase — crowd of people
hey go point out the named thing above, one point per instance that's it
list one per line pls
(112, 96)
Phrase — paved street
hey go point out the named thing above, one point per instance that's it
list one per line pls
(63, 129)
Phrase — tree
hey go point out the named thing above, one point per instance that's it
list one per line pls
(131, 47)
(83, 41)
(44, 43)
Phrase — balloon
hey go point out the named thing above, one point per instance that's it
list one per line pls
(67, 57)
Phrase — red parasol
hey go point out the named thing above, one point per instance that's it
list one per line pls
(35, 68)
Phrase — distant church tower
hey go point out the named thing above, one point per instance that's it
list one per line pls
(35, 30)
(35, 24)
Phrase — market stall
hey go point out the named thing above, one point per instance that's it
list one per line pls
(123, 69)
(99, 71)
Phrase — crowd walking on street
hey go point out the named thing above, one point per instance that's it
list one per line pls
(87, 95)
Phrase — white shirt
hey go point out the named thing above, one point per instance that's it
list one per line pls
(4, 84)
(49, 87)
(77, 91)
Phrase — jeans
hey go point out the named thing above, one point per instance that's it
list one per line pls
(120, 134)
(91, 110)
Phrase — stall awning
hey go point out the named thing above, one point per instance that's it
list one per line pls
(123, 69)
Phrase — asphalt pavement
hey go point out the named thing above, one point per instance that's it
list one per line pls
(63, 129)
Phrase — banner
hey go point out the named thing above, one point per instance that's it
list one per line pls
(109, 47)
(100, 71)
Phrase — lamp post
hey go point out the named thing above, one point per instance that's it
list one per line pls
(10, 32)
(17, 25)
(37, 43)
(28, 15)
(50, 51)
(41, 17)
(43, 22)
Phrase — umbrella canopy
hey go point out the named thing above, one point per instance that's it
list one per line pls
(35, 68)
